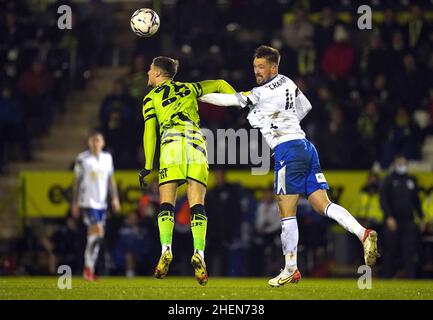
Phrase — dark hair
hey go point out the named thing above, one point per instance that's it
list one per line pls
(167, 65)
(96, 132)
(269, 53)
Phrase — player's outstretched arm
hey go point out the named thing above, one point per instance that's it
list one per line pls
(215, 86)
(221, 99)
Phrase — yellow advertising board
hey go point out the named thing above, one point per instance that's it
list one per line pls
(48, 193)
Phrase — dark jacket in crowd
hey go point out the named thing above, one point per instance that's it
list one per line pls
(224, 210)
(399, 197)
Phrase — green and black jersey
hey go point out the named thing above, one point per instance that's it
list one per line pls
(173, 105)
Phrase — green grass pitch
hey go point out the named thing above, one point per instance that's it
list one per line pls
(181, 288)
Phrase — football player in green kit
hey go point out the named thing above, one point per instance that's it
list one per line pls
(173, 106)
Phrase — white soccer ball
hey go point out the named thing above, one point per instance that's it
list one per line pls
(145, 22)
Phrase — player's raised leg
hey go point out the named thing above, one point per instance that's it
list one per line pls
(289, 241)
(196, 193)
(321, 204)
(165, 225)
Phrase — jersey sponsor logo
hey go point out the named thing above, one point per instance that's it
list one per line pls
(320, 177)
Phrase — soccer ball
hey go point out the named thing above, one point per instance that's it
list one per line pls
(145, 22)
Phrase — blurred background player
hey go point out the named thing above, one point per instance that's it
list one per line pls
(93, 184)
(173, 105)
(276, 107)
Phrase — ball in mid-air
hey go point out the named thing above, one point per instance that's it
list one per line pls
(145, 22)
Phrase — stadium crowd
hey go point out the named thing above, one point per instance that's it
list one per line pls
(372, 87)
(40, 64)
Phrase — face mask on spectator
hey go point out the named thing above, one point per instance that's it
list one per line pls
(401, 169)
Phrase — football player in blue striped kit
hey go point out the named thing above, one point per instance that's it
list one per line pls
(276, 106)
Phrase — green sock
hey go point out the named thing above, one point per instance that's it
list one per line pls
(165, 226)
(198, 228)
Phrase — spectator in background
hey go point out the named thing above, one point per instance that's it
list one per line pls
(148, 204)
(116, 115)
(389, 26)
(12, 128)
(68, 244)
(199, 21)
(36, 82)
(325, 101)
(325, 29)
(136, 83)
(395, 54)
(427, 208)
(368, 210)
(409, 83)
(369, 133)
(429, 107)
(136, 79)
(417, 28)
(299, 32)
(307, 60)
(402, 138)
(38, 257)
(380, 91)
(426, 254)
(339, 57)
(134, 252)
(96, 30)
(11, 33)
(34, 86)
(373, 57)
(429, 74)
(223, 205)
(8, 72)
(337, 131)
(400, 201)
(267, 235)
(425, 52)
